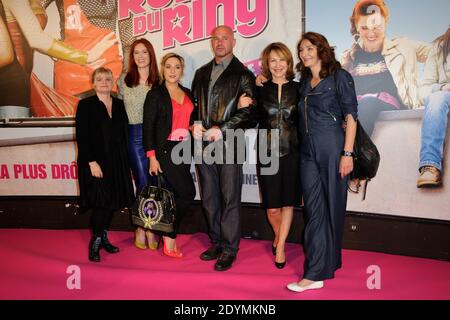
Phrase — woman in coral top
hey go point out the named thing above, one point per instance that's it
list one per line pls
(167, 117)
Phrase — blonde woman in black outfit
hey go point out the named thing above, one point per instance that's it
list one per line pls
(103, 170)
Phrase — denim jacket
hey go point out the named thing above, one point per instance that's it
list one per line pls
(327, 104)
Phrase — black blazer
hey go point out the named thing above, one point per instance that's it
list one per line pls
(158, 113)
(93, 129)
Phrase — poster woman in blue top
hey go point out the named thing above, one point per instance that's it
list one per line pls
(327, 102)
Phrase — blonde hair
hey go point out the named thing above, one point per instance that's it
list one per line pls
(101, 70)
(167, 57)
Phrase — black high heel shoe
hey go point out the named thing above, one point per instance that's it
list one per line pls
(274, 250)
(279, 265)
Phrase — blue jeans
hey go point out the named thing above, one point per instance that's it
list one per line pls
(434, 128)
(138, 160)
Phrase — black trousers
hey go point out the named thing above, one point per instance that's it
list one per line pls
(221, 187)
(179, 180)
(100, 220)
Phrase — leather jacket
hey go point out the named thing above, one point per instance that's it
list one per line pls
(279, 115)
(222, 110)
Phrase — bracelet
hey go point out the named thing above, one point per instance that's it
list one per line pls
(347, 153)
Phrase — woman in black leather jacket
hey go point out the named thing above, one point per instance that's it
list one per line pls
(277, 114)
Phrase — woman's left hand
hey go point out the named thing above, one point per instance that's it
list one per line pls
(345, 166)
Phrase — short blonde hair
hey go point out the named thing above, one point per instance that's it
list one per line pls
(167, 57)
(101, 70)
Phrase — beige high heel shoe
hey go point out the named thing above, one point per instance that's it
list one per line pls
(138, 244)
(152, 245)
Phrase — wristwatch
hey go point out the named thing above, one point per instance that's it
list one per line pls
(347, 153)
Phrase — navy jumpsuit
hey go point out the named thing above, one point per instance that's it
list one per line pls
(322, 110)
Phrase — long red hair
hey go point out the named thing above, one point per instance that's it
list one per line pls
(132, 77)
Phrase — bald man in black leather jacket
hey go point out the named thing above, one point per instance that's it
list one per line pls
(217, 87)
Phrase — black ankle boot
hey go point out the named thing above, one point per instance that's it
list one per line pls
(107, 245)
(94, 249)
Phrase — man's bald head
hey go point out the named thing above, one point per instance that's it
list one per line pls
(223, 28)
(222, 42)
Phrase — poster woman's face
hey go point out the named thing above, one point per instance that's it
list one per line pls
(371, 30)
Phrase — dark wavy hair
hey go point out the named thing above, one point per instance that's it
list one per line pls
(325, 53)
(443, 43)
(132, 77)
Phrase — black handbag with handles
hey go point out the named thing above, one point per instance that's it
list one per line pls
(154, 208)
(367, 158)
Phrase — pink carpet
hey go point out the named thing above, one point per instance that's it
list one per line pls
(34, 264)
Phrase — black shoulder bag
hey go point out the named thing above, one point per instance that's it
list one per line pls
(367, 157)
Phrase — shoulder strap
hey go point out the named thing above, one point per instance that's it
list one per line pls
(335, 88)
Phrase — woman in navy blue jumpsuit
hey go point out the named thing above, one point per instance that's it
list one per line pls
(327, 102)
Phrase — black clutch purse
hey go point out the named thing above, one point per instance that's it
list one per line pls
(154, 208)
